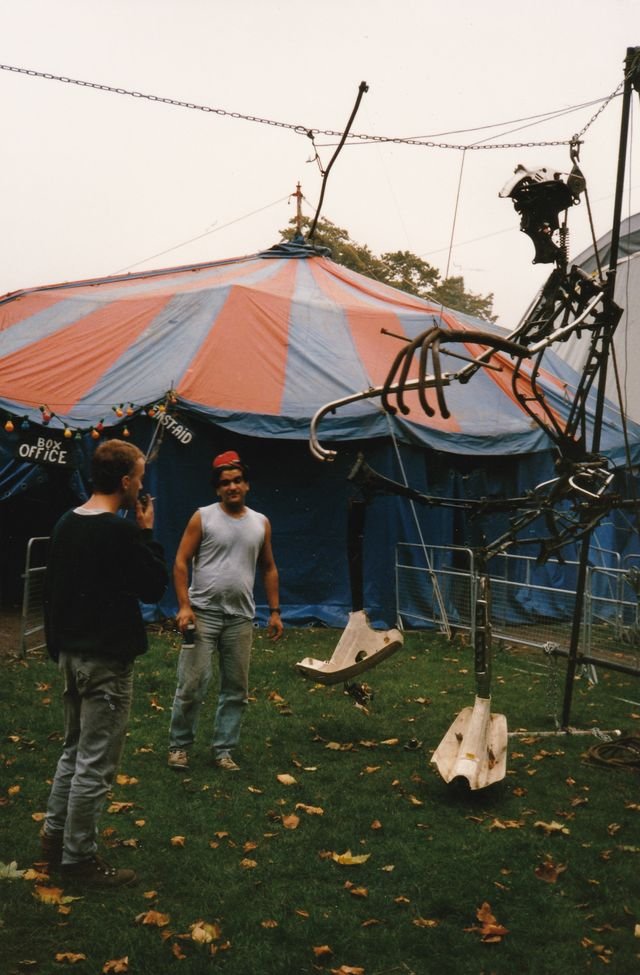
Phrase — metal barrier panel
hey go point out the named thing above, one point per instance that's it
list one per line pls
(32, 622)
(614, 613)
(531, 604)
(435, 585)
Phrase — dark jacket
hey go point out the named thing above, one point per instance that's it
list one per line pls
(98, 567)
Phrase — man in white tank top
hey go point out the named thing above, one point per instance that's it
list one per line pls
(223, 544)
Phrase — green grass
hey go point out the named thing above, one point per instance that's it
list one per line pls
(439, 853)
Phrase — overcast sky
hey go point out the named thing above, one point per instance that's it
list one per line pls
(94, 183)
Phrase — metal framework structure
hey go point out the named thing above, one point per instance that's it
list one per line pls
(572, 503)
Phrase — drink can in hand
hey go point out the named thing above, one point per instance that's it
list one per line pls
(189, 636)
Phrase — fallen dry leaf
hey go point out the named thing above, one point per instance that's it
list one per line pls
(356, 891)
(118, 807)
(248, 864)
(50, 895)
(31, 874)
(347, 970)
(490, 931)
(310, 810)
(154, 918)
(552, 827)
(9, 871)
(116, 965)
(70, 957)
(204, 933)
(285, 779)
(347, 859)
(507, 824)
(376, 824)
(390, 741)
(322, 951)
(291, 821)
(425, 922)
(178, 840)
(269, 923)
(549, 871)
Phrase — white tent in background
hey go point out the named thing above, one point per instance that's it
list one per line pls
(627, 335)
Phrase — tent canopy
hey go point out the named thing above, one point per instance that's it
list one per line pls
(256, 345)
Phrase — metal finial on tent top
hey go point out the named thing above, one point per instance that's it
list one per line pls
(298, 196)
(298, 247)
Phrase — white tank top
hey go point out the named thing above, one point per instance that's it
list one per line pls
(224, 567)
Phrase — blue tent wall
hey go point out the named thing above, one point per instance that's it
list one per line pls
(306, 502)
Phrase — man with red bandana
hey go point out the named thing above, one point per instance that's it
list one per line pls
(223, 544)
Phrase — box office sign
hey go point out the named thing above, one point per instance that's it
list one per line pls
(46, 449)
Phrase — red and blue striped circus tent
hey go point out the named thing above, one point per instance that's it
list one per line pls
(242, 353)
(256, 345)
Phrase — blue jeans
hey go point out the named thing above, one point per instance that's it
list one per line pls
(97, 702)
(232, 637)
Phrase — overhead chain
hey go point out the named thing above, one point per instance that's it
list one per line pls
(606, 101)
(303, 129)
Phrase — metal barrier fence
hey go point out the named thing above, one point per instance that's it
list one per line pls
(32, 621)
(530, 604)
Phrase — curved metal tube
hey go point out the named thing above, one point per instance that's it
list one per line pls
(430, 339)
(321, 453)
